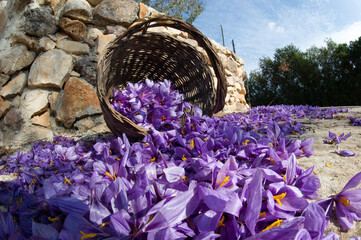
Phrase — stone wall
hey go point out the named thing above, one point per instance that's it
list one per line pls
(48, 56)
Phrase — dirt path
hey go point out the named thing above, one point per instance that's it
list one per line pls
(340, 169)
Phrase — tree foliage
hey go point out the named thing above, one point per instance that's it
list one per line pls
(326, 76)
(187, 10)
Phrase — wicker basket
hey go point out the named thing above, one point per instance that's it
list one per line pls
(138, 54)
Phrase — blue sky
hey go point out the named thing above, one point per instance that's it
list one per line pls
(258, 27)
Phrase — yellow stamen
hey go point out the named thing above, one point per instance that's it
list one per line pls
(272, 161)
(206, 139)
(80, 168)
(36, 167)
(284, 177)
(56, 171)
(328, 165)
(339, 134)
(66, 182)
(184, 158)
(191, 144)
(118, 159)
(184, 177)
(150, 218)
(110, 151)
(164, 118)
(108, 174)
(246, 142)
(226, 139)
(345, 201)
(314, 172)
(33, 181)
(146, 144)
(87, 235)
(225, 180)
(262, 214)
(152, 159)
(279, 197)
(53, 219)
(103, 224)
(51, 163)
(274, 224)
(221, 222)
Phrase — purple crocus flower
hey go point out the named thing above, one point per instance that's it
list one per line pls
(355, 121)
(348, 203)
(336, 138)
(345, 153)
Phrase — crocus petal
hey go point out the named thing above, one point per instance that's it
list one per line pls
(303, 234)
(214, 199)
(315, 220)
(174, 211)
(74, 222)
(254, 201)
(98, 212)
(287, 230)
(44, 231)
(353, 182)
(291, 169)
(207, 236)
(207, 221)
(118, 222)
(333, 236)
(69, 205)
(173, 174)
(345, 153)
(344, 217)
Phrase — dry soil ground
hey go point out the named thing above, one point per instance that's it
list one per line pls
(339, 169)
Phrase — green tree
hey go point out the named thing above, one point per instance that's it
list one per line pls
(326, 76)
(187, 10)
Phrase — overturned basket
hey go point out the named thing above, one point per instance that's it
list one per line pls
(138, 54)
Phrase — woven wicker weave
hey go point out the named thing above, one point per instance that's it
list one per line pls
(138, 54)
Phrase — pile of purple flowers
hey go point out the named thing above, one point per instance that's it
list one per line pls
(234, 177)
(150, 104)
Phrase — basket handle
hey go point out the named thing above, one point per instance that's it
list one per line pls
(203, 42)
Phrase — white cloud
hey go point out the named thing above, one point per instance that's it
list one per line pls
(348, 33)
(273, 26)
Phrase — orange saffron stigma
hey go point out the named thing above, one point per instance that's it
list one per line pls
(277, 223)
(103, 224)
(224, 180)
(284, 176)
(345, 201)
(87, 235)
(53, 219)
(262, 214)
(108, 174)
(328, 165)
(279, 197)
(67, 182)
(221, 222)
(191, 144)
